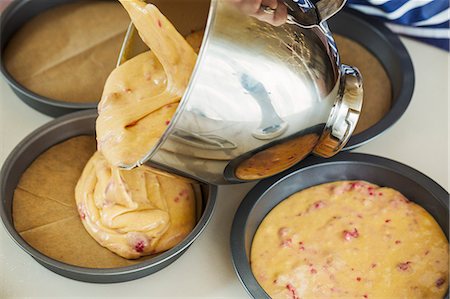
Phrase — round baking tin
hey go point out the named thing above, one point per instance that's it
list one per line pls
(314, 171)
(56, 131)
(387, 47)
(12, 19)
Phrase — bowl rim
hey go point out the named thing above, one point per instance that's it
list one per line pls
(238, 237)
(397, 50)
(385, 35)
(149, 263)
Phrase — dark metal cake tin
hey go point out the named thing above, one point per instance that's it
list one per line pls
(313, 171)
(387, 47)
(12, 19)
(56, 131)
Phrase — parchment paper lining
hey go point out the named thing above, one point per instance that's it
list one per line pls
(376, 83)
(67, 52)
(44, 210)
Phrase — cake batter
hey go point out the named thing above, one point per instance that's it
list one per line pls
(141, 96)
(350, 240)
(134, 213)
(139, 212)
(277, 158)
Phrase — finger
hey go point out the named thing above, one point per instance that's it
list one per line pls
(250, 7)
(4, 4)
(265, 17)
(280, 16)
(277, 18)
(270, 3)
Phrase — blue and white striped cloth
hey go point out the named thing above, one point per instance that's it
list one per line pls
(426, 20)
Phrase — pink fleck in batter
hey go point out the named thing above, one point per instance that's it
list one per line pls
(362, 241)
(140, 98)
(124, 209)
(348, 235)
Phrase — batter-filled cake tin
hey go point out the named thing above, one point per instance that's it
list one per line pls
(52, 133)
(314, 171)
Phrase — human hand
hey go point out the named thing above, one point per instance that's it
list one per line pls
(3, 4)
(255, 8)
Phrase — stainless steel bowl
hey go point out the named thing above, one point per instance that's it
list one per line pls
(255, 86)
(56, 131)
(314, 171)
(387, 47)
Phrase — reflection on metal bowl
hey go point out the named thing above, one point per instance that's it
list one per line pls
(253, 86)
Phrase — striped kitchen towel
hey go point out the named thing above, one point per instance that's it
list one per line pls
(426, 20)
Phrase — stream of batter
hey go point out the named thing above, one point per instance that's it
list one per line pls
(141, 96)
(137, 212)
(142, 211)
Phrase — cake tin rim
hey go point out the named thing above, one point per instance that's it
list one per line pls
(11, 11)
(406, 89)
(238, 230)
(170, 254)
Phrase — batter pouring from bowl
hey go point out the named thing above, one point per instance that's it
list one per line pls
(141, 96)
(141, 211)
(137, 212)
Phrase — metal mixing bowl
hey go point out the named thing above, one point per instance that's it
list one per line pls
(254, 87)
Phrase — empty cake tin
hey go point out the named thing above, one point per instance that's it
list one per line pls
(387, 47)
(52, 133)
(314, 171)
(12, 19)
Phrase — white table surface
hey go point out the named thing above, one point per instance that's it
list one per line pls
(420, 139)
